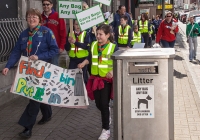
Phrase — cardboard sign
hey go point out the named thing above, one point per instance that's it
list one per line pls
(50, 84)
(90, 17)
(106, 2)
(142, 101)
(68, 9)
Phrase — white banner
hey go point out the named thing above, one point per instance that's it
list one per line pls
(106, 2)
(142, 101)
(68, 9)
(50, 84)
(90, 17)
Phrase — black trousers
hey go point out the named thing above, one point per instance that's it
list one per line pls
(102, 99)
(73, 65)
(146, 39)
(29, 116)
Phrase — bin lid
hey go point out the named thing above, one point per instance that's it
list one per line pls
(144, 53)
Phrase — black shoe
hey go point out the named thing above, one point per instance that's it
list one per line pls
(25, 134)
(43, 121)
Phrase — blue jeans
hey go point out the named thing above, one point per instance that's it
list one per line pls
(192, 47)
(54, 60)
(167, 44)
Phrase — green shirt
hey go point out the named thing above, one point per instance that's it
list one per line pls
(189, 27)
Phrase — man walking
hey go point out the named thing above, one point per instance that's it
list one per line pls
(51, 20)
(192, 31)
(121, 11)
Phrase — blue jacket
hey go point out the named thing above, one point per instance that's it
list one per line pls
(116, 21)
(156, 23)
(43, 44)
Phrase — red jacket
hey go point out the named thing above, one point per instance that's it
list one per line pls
(96, 83)
(57, 25)
(164, 32)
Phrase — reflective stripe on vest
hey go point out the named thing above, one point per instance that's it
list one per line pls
(136, 38)
(106, 65)
(81, 53)
(143, 28)
(123, 38)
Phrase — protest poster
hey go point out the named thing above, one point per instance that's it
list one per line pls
(68, 9)
(90, 17)
(50, 84)
(106, 2)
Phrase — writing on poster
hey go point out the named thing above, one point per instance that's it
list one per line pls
(68, 9)
(106, 2)
(142, 101)
(50, 84)
(90, 17)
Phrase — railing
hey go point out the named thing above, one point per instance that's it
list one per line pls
(9, 33)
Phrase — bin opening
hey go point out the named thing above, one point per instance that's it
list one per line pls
(143, 67)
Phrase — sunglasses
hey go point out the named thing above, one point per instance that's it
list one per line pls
(169, 16)
(46, 4)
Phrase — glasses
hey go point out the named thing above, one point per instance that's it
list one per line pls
(169, 16)
(33, 17)
(46, 4)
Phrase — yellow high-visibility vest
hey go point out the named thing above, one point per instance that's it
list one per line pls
(123, 37)
(81, 53)
(106, 65)
(143, 28)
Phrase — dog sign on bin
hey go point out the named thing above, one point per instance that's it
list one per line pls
(142, 101)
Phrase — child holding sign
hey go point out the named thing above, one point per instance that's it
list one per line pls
(99, 85)
(78, 45)
(123, 34)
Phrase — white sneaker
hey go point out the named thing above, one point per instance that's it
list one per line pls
(105, 134)
(110, 120)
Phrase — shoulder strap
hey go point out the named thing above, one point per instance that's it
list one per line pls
(191, 29)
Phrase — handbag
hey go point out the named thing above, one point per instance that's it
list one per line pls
(190, 33)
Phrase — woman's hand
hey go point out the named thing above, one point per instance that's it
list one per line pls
(109, 75)
(5, 71)
(33, 57)
(81, 65)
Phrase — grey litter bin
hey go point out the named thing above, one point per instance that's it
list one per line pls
(143, 94)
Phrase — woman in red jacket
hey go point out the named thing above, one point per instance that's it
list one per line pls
(167, 31)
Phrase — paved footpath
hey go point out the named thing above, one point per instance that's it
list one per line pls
(84, 124)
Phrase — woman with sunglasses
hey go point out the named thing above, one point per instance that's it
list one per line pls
(167, 31)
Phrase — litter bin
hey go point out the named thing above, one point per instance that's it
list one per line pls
(143, 94)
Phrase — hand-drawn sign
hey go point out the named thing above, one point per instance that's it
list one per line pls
(50, 84)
